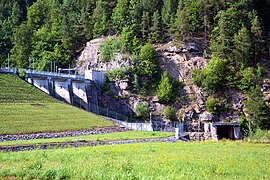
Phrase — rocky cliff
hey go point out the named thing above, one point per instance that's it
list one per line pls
(179, 60)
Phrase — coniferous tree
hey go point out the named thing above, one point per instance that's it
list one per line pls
(120, 16)
(100, 17)
(168, 12)
(156, 29)
(145, 25)
(135, 9)
(257, 39)
(180, 28)
(165, 91)
(242, 52)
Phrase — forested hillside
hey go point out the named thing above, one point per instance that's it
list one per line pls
(235, 37)
(49, 30)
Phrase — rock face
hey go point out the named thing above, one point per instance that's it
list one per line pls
(90, 58)
(179, 61)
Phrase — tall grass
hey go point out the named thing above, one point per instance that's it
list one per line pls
(208, 160)
(262, 136)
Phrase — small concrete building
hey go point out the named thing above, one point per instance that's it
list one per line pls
(95, 75)
(227, 130)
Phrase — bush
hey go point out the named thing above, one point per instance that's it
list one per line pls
(142, 110)
(170, 113)
(108, 49)
(119, 73)
(22, 73)
(213, 106)
(165, 91)
(197, 77)
(214, 74)
(148, 61)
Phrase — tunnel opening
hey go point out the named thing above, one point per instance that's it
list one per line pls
(225, 132)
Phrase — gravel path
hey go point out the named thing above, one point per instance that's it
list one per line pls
(60, 134)
(81, 144)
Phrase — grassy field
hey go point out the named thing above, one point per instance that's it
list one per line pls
(208, 160)
(24, 109)
(98, 137)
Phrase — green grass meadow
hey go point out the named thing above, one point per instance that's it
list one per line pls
(207, 160)
(24, 109)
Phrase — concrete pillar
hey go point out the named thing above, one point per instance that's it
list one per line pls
(50, 86)
(237, 132)
(70, 90)
(213, 130)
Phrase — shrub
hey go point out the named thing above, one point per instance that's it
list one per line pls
(214, 74)
(22, 73)
(142, 110)
(213, 106)
(108, 49)
(197, 77)
(119, 73)
(170, 113)
(262, 136)
(148, 60)
(165, 91)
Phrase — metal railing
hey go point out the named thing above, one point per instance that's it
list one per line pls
(9, 70)
(55, 74)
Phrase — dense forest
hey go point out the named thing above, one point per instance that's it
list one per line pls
(235, 33)
(47, 30)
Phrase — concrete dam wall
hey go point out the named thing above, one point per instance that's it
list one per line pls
(77, 92)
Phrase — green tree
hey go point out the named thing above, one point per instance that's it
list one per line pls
(168, 12)
(180, 27)
(156, 29)
(127, 39)
(213, 105)
(22, 48)
(120, 16)
(169, 113)
(247, 79)
(135, 13)
(214, 74)
(257, 40)
(165, 91)
(228, 23)
(148, 61)
(257, 111)
(145, 25)
(142, 110)
(100, 17)
(242, 48)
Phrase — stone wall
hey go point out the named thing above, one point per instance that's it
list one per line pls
(198, 136)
